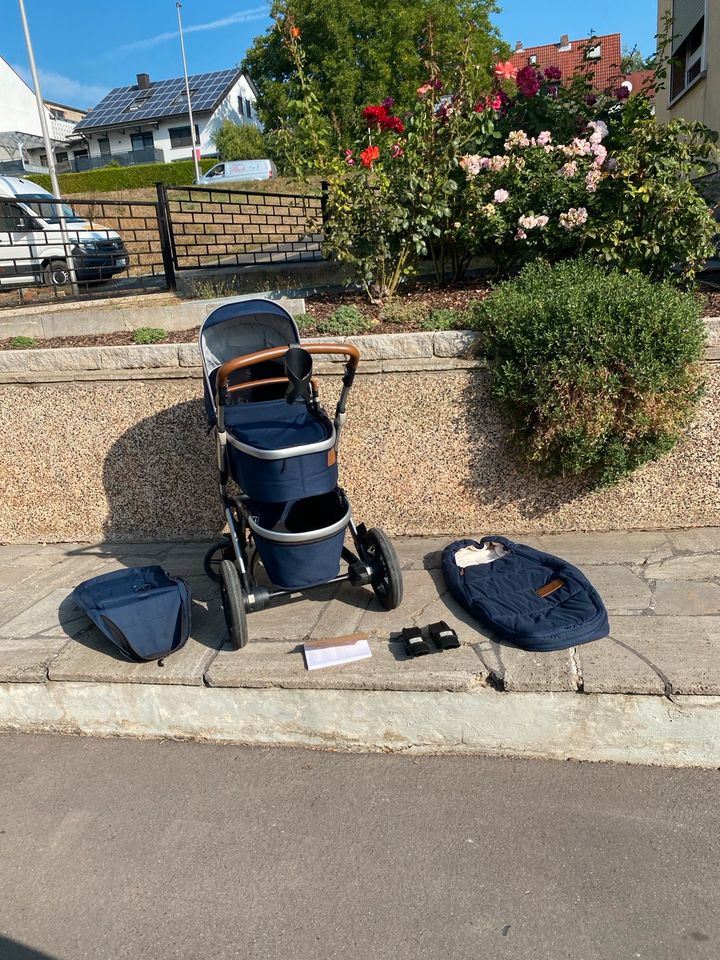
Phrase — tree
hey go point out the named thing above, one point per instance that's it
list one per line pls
(239, 141)
(361, 53)
(632, 60)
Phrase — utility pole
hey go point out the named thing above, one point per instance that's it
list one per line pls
(60, 213)
(195, 150)
(49, 154)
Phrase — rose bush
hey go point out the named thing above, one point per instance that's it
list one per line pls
(539, 166)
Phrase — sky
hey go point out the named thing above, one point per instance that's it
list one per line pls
(96, 46)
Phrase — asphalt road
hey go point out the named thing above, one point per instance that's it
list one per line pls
(119, 849)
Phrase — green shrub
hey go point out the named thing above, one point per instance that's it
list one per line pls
(343, 322)
(107, 179)
(446, 319)
(149, 335)
(22, 343)
(304, 322)
(598, 370)
(403, 313)
(236, 141)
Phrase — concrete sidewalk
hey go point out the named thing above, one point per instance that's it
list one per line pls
(650, 692)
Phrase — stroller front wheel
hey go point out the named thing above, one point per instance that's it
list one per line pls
(387, 581)
(233, 604)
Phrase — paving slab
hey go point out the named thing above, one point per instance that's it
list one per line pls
(700, 566)
(521, 671)
(607, 666)
(54, 615)
(687, 598)
(620, 588)
(93, 659)
(280, 663)
(608, 547)
(26, 660)
(291, 618)
(683, 652)
(699, 540)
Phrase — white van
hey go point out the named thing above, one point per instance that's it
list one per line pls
(234, 170)
(31, 245)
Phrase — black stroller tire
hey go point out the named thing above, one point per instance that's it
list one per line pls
(387, 581)
(214, 558)
(233, 604)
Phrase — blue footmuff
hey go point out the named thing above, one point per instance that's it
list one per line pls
(531, 599)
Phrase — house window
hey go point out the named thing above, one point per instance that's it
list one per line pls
(142, 141)
(43, 159)
(688, 45)
(180, 136)
(57, 114)
(532, 59)
(594, 52)
(61, 156)
(248, 109)
(104, 145)
(79, 153)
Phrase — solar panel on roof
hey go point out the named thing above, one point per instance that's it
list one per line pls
(164, 98)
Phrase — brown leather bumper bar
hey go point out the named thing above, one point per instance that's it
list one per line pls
(275, 353)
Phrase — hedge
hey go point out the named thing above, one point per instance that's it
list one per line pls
(177, 174)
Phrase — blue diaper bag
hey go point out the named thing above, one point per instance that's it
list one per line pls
(531, 599)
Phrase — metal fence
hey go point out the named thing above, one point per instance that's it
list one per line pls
(121, 247)
(115, 247)
(211, 226)
(129, 158)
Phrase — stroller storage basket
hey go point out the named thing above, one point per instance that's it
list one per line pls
(279, 451)
(302, 545)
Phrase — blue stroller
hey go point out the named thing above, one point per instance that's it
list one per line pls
(278, 446)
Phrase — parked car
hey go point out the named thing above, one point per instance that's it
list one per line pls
(235, 170)
(31, 243)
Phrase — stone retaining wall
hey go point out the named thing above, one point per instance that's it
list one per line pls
(112, 443)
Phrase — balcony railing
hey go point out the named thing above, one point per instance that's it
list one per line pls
(128, 159)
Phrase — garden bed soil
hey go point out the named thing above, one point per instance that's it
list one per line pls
(319, 307)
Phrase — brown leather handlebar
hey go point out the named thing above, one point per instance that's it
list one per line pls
(271, 381)
(274, 353)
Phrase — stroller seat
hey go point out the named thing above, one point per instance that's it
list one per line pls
(275, 424)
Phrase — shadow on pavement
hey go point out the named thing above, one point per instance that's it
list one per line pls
(14, 950)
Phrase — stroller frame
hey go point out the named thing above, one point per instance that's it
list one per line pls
(232, 562)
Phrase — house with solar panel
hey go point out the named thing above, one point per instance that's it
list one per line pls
(148, 122)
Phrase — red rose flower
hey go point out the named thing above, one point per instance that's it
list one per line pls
(375, 115)
(368, 155)
(393, 123)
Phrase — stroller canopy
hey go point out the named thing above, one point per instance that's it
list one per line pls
(235, 329)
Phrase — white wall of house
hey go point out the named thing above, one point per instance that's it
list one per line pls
(228, 109)
(18, 107)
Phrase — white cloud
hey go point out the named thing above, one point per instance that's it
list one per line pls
(56, 86)
(244, 16)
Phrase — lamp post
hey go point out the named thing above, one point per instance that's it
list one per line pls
(60, 213)
(195, 149)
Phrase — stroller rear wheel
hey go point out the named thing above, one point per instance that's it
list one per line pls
(387, 579)
(233, 604)
(214, 558)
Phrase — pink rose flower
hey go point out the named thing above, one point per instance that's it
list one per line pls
(505, 70)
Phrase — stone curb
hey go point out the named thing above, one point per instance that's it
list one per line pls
(447, 344)
(597, 727)
(375, 347)
(125, 314)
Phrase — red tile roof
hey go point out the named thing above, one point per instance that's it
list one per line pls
(606, 69)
